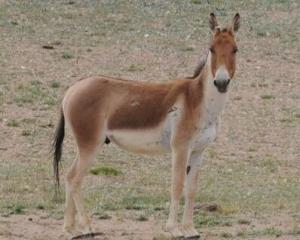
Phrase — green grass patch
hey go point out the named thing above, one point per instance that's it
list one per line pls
(291, 117)
(187, 49)
(197, 1)
(244, 222)
(102, 215)
(142, 202)
(17, 208)
(13, 123)
(269, 163)
(67, 55)
(55, 84)
(105, 171)
(272, 231)
(136, 68)
(226, 235)
(267, 97)
(210, 220)
(40, 206)
(26, 132)
(142, 218)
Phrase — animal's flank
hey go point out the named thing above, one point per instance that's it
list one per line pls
(146, 106)
(138, 112)
(57, 146)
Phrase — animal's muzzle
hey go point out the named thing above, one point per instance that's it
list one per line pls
(222, 85)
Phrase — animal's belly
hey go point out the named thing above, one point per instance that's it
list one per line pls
(140, 141)
(205, 137)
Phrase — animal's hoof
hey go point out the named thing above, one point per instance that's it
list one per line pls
(196, 237)
(190, 232)
(69, 232)
(67, 235)
(174, 231)
(88, 235)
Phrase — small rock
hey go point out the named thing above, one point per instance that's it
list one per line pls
(50, 47)
(208, 207)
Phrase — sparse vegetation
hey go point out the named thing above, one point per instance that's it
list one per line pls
(251, 172)
(13, 123)
(142, 218)
(226, 235)
(196, 1)
(103, 216)
(263, 232)
(26, 132)
(244, 221)
(67, 55)
(135, 68)
(212, 220)
(55, 84)
(40, 206)
(17, 209)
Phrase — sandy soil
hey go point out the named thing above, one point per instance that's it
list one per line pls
(260, 127)
(41, 226)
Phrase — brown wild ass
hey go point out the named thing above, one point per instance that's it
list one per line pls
(179, 116)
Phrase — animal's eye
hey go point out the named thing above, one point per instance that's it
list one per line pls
(235, 50)
(212, 50)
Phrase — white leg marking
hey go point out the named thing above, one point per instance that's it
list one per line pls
(190, 193)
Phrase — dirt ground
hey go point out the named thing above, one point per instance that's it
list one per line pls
(41, 226)
(251, 172)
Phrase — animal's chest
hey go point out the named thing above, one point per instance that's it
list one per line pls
(205, 135)
(207, 131)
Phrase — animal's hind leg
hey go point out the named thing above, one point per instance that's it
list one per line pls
(74, 182)
(85, 158)
(70, 208)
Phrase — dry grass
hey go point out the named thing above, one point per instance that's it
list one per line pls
(252, 172)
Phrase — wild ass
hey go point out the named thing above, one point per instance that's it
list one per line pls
(179, 116)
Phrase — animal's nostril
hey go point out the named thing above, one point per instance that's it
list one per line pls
(221, 85)
(215, 83)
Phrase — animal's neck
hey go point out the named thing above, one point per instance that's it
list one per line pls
(213, 100)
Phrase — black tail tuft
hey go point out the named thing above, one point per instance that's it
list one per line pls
(57, 147)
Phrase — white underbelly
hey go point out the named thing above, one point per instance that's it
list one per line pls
(150, 141)
(155, 140)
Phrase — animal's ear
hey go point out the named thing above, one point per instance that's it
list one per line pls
(236, 22)
(213, 22)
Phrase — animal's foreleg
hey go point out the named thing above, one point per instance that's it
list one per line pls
(190, 194)
(179, 160)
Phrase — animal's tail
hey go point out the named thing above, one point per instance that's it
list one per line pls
(57, 147)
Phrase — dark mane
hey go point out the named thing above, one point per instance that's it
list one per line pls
(200, 66)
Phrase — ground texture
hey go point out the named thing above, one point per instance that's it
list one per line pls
(250, 176)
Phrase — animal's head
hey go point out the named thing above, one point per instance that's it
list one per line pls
(223, 49)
